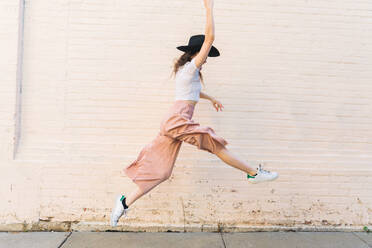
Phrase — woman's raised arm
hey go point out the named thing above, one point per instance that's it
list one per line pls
(209, 35)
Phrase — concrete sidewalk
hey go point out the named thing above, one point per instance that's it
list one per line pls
(185, 239)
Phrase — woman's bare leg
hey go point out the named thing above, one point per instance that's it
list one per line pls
(133, 196)
(138, 193)
(231, 159)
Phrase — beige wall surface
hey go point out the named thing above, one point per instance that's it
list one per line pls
(84, 85)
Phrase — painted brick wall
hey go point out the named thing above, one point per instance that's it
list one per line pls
(294, 78)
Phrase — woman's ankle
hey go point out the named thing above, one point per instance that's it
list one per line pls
(252, 173)
(128, 201)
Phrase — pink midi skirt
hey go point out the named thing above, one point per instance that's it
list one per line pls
(155, 161)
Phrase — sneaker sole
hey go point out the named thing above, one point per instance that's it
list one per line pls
(264, 181)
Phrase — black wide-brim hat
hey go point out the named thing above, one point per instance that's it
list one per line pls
(195, 44)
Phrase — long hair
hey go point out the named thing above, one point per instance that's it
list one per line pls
(181, 61)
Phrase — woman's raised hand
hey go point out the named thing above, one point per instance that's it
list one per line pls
(217, 104)
(208, 4)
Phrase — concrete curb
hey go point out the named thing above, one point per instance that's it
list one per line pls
(67, 226)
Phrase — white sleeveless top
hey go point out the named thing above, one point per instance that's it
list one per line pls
(188, 85)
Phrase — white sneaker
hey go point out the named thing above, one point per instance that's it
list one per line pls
(118, 210)
(262, 176)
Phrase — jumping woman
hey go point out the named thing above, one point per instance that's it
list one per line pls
(155, 161)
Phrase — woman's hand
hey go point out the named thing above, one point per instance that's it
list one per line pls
(217, 104)
(208, 4)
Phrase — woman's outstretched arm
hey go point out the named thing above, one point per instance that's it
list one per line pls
(216, 104)
(209, 26)
(209, 35)
(205, 96)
